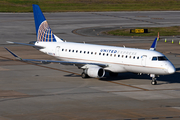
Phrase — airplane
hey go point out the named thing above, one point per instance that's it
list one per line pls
(93, 59)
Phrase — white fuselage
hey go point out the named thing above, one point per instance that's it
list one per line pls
(118, 59)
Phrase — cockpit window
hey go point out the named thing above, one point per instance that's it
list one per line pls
(162, 58)
(159, 58)
(154, 58)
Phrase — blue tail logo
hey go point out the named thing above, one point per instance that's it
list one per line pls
(45, 34)
(153, 46)
(43, 31)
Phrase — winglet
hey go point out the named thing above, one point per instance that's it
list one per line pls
(17, 57)
(153, 46)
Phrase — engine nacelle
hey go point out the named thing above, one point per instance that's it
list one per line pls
(95, 72)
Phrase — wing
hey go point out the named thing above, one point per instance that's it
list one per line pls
(78, 64)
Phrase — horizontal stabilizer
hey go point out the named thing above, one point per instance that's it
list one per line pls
(36, 46)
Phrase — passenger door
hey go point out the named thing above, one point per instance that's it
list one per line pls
(57, 51)
(143, 60)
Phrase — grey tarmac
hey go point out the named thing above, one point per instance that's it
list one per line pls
(57, 92)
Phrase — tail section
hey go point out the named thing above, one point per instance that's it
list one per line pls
(153, 46)
(43, 31)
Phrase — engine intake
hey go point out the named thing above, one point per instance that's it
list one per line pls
(96, 72)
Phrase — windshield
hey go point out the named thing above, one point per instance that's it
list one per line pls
(154, 58)
(159, 58)
(162, 58)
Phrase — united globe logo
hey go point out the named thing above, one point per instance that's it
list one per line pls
(45, 34)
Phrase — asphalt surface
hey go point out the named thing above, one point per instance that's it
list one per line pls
(30, 91)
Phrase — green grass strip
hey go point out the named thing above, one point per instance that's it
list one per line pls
(163, 31)
(88, 5)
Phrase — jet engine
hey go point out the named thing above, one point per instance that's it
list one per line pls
(95, 72)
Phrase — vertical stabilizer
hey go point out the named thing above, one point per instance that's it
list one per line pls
(153, 46)
(43, 31)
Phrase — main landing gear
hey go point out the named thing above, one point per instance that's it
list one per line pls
(84, 75)
(153, 82)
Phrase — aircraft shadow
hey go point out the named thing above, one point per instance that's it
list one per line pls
(72, 75)
(124, 76)
(173, 78)
(177, 69)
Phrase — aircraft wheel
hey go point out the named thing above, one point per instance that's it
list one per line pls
(84, 75)
(154, 82)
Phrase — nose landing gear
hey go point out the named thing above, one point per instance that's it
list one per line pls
(153, 82)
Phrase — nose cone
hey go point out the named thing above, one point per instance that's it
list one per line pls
(171, 69)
